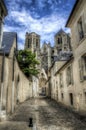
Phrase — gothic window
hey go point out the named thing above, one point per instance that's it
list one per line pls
(69, 75)
(34, 42)
(59, 40)
(80, 29)
(29, 43)
(37, 42)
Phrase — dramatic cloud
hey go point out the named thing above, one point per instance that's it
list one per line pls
(44, 17)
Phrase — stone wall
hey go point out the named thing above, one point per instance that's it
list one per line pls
(23, 85)
(16, 87)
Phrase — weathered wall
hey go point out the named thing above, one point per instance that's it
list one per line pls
(22, 84)
(78, 88)
(79, 49)
(15, 90)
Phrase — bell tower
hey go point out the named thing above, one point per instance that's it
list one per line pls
(32, 42)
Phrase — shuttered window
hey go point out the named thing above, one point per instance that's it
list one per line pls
(80, 28)
(84, 23)
(61, 80)
(70, 75)
(81, 67)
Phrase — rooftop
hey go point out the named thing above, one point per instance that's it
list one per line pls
(7, 42)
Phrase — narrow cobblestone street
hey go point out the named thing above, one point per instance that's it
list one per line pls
(47, 115)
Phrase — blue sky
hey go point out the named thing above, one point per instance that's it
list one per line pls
(45, 17)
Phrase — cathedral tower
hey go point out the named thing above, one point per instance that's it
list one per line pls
(62, 42)
(32, 41)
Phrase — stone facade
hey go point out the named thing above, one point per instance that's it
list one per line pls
(77, 23)
(14, 86)
(32, 42)
(68, 78)
(62, 42)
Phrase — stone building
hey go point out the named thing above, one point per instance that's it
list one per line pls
(62, 42)
(14, 86)
(77, 23)
(46, 51)
(47, 55)
(68, 77)
(32, 42)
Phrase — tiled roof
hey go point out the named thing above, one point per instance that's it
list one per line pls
(7, 42)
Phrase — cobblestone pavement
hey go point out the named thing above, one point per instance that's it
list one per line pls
(46, 114)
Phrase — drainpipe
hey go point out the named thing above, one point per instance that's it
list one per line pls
(2, 81)
(13, 85)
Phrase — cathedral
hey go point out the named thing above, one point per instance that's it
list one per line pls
(47, 55)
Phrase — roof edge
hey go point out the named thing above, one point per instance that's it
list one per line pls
(74, 7)
(4, 7)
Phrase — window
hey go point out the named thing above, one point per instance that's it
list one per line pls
(29, 43)
(85, 97)
(84, 61)
(82, 68)
(61, 78)
(1, 12)
(59, 40)
(34, 43)
(62, 96)
(37, 42)
(80, 29)
(69, 75)
(71, 98)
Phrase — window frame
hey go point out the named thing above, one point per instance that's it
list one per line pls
(80, 24)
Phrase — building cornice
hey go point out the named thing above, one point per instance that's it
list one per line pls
(71, 16)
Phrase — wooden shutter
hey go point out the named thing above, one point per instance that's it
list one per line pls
(84, 23)
(81, 67)
(67, 79)
(72, 81)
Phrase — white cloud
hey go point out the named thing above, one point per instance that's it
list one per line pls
(46, 26)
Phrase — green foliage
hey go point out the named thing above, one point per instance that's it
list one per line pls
(27, 62)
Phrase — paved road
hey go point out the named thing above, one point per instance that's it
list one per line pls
(47, 115)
